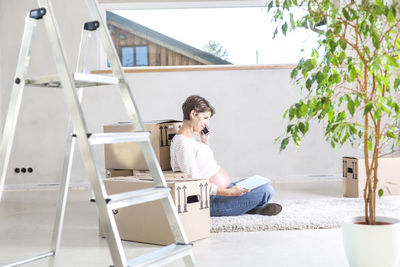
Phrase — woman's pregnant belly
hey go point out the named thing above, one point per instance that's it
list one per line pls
(221, 178)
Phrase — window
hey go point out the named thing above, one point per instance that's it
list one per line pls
(207, 36)
(141, 56)
(134, 56)
(127, 56)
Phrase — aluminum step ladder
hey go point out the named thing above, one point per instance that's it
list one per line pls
(72, 85)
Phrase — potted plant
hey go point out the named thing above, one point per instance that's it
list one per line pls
(351, 83)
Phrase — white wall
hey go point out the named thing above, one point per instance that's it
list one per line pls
(41, 129)
(249, 105)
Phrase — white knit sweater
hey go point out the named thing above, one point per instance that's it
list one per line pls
(194, 158)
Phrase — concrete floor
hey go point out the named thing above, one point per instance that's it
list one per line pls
(27, 220)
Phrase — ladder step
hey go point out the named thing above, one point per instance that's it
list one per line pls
(31, 259)
(130, 198)
(94, 78)
(162, 256)
(125, 137)
(81, 80)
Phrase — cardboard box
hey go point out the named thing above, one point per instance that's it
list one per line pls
(130, 156)
(354, 176)
(147, 222)
(123, 173)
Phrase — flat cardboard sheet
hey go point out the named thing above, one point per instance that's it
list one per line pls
(354, 176)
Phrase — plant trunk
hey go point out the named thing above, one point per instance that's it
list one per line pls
(375, 161)
(371, 176)
(371, 168)
(367, 171)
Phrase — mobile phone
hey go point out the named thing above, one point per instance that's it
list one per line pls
(205, 130)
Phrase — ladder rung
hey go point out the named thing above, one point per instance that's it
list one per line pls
(81, 80)
(130, 198)
(125, 137)
(94, 78)
(161, 256)
(31, 259)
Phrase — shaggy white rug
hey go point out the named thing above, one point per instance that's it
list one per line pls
(305, 214)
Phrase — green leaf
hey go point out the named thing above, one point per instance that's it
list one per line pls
(270, 5)
(284, 143)
(376, 64)
(285, 4)
(346, 14)
(354, 13)
(337, 28)
(308, 84)
(341, 98)
(275, 33)
(343, 44)
(380, 192)
(353, 74)
(390, 17)
(378, 113)
(302, 128)
(320, 76)
(308, 65)
(333, 144)
(342, 57)
(303, 110)
(285, 114)
(375, 40)
(341, 116)
(368, 108)
(307, 126)
(294, 73)
(379, 3)
(331, 115)
(364, 27)
(396, 83)
(284, 28)
(370, 145)
(396, 107)
(277, 139)
(350, 106)
(390, 135)
(335, 78)
(391, 61)
(292, 113)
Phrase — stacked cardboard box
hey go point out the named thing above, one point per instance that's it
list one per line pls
(126, 170)
(354, 176)
(129, 155)
(147, 222)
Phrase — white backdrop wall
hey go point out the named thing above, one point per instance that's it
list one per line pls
(249, 105)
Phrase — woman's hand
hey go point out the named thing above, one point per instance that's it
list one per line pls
(205, 138)
(237, 190)
(234, 191)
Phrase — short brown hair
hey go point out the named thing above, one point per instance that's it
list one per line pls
(198, 104)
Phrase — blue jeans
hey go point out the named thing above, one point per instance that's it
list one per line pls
(234, 206)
